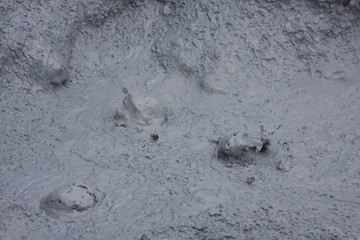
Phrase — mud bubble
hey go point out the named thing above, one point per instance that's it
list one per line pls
(69, 201)
(57, 74)
(241, 147)
(143, 111)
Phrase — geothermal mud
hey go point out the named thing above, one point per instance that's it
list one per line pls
(111, 111)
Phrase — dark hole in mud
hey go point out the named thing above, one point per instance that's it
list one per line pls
(154, 137)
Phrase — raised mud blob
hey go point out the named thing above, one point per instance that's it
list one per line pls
(133, 109)
(47, 64)
(241, 147)
(169, 9)
(56, 73)
(69, 201)
(144, 112)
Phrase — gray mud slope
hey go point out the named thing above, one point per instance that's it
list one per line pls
(76, 163)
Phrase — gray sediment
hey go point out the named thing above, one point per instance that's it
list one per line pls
(82, 159)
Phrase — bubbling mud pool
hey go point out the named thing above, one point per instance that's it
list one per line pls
(110, 110)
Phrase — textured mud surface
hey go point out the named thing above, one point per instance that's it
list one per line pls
(83, 158)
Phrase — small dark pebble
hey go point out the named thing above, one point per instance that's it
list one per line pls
(250, 180)
(154, 137)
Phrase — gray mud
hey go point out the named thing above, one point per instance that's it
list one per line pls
(80, 159)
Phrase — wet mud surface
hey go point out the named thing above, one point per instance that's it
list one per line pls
(112, 113)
